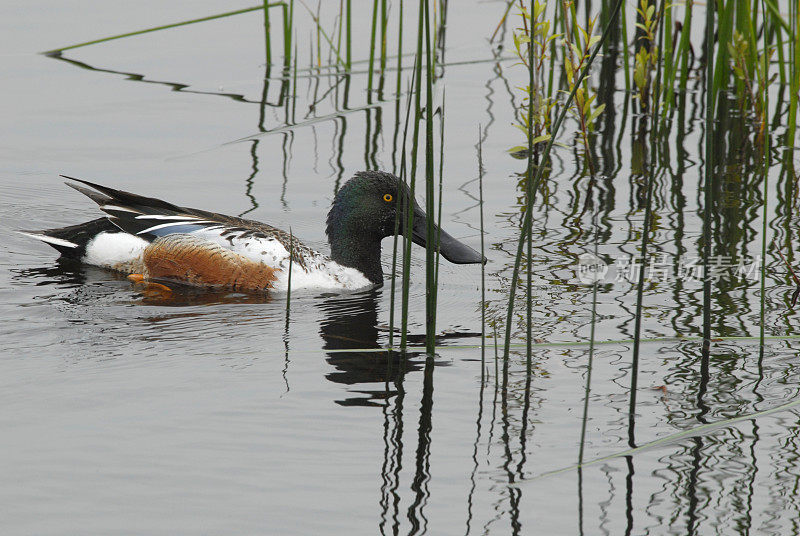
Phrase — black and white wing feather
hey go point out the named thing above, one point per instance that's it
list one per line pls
(150, 218)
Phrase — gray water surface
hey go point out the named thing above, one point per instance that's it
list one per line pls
(122, 413)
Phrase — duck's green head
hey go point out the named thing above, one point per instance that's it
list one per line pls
(363, 213)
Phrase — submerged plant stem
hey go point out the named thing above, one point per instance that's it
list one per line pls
(165, 27)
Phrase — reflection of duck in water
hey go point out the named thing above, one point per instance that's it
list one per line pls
(351, 323)
(152, 239)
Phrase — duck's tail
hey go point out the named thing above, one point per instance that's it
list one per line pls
(71, 241)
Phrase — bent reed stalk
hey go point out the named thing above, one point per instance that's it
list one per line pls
(538, 177)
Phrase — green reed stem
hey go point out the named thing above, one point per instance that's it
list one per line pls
(372, 32)
(399, 47)
(532, 90)
(648, 215)
(267, 34)
(393, 278)
(794, 73)
(349, 60)
(509, 4)
(483, 254)
(575, 38)
(384, 23)
(626, 56)
(294, 86)
(439, 207)
(668, 53)
(725, 35)
(603, 21)
(681, 54)
(165, 27)
(321, 31)
(765, 213)
(341, 25)
(430, 239)
(570, 16)
(708, 204)
(288, 21)
(437, 20)
(781, 57)
(409, 203)
(745, 25)
(289, 280)
(393, 286)
(406, 240)
(683, 50)
(394, 266)
(540, 171)
(553, 54)
(496, 357)
(772, 6)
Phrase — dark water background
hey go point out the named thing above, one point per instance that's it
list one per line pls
(123, 414)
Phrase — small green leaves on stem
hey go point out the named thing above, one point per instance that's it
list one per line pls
(647, 54)
(576, 56)
(738, 53)
(532, 43)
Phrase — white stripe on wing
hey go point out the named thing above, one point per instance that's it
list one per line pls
(163, 217)
(119, 209)
(172, 224)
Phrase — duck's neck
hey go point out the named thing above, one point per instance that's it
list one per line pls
(359, 251)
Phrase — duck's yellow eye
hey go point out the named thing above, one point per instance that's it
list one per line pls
(388, 198)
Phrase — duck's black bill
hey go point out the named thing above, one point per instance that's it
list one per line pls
(450, 248)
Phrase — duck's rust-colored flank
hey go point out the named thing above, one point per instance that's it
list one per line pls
(198, 262)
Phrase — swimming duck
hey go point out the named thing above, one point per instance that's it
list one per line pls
(149, 239)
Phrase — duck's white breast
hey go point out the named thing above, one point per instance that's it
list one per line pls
(320, 271)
